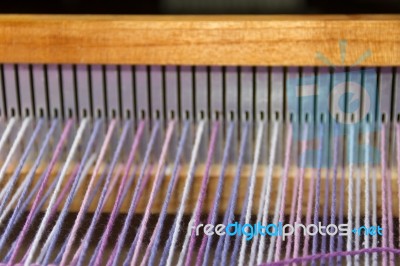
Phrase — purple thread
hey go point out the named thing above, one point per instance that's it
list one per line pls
(387, 192)
(159, 177)
(203, 190)
(341, 210)
(140, 192)
(223, 242)
(326, 203)
(91, 198)
(160, 223)
(63, 192)
(318, 185)
(89, 233)
(121, 191)
(84, 203)
(398, 160)
(384, 192)
(390, 214)
(309, 212)
(301, 190)
(156, 187)
(105, 192)
(27, 224)
(59, 200)
(133, 247)
(334, 184)
(289, 242)
(332, 255)
(40, 205)
(21, 164)
(206, 242)
(21, 204)
(68, 202)
(127, 187)
(285, 178)
(122, 236)
(390, 218)
(237, 238)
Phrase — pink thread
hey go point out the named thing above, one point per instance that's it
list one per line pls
(301, 189)
(58, 201)
(49, 169)
(109, 190)
(88, 191)
(309, 211)
(140, 192)
(121, 189)
(398, 163)
(285, 178)
(153, 192)
(203, 191)
(384, 192)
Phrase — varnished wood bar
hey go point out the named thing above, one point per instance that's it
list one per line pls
(199, 40)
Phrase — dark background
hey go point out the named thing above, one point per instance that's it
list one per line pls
(200, 6)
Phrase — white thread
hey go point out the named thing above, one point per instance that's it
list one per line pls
(82, 177)
(253, 252)
(397, 134)
(186, 190)
(358, 207)
(14, 147)
(271, 162)
(350, 193)
(275, 220)
(374, 215)
(96, 170)
(13, 200)
(187, 238)
(52, 201)
(7, 132)
(257, 152)
(367, 180)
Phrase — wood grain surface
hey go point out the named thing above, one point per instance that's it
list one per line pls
(201, 40)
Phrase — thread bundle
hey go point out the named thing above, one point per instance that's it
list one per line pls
(140, 193)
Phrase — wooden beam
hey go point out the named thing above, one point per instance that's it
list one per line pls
(201, 40)
(227, 190)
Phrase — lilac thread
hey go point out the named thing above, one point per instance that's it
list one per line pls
(68, 202)
(58, 258)
(285, 178)
(84, 203)
(206, 242)
(27, 224)
(157, 183)
(160, 223)
(334, 184)
(384, 192)
(104, 192)
(21, 204)
(203, 190)
(223, 242)
(318, 185)
(121, 237)
(21, 164)
(121, 191)
(301, 188)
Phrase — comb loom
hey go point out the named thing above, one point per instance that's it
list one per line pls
(118, 131)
